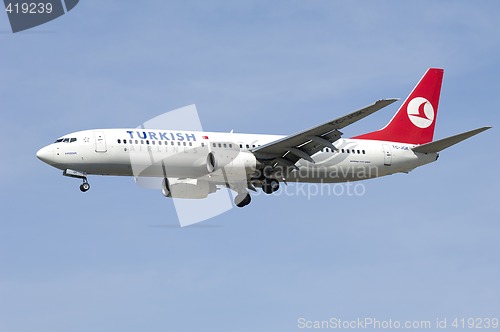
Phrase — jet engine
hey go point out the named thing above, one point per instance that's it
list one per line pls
(232, 161)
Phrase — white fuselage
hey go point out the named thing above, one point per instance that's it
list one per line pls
(183, 154)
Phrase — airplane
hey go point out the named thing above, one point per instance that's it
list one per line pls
(194, 164)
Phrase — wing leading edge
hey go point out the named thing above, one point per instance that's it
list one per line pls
(302, 145)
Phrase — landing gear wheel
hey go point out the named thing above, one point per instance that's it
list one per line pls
(275, 185)
(242, 200)
(270, 185)
(84, 187)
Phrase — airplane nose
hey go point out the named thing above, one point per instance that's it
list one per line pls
(45, 154)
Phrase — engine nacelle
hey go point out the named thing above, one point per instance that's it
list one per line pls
(232, 161)
(212, 162)
(186, 188)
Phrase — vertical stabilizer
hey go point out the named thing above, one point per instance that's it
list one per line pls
(415, 120)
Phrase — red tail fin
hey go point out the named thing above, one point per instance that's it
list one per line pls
(415, 120)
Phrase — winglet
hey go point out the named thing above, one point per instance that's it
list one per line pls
(445, 143)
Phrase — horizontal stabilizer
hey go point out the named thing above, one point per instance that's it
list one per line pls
(444, 143)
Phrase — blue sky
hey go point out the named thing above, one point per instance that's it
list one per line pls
(415, 247)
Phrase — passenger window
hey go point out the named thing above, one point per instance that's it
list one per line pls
(119, 141)
(225, 145)
(142, 141)
(130, 141)
(347, 150)
(358, 152)
(136, 142)
(184, 143)
(220, 145)
(179, 143)
(248, 146)
(214, 145)
(202, 145)
(147, 141)
(153, 142)
(363, 151)
(230, 145)
(253, 145)
(190, 144)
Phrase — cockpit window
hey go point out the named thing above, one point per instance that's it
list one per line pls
(66, 140)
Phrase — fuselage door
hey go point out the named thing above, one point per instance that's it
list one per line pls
(100, 141)
(387, 155)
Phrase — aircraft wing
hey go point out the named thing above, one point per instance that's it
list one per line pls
(288, 150)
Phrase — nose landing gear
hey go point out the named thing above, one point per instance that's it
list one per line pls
(85, 186)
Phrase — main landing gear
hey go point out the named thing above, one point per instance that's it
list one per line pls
(85, 186)
(242, 199)
(270, 185)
